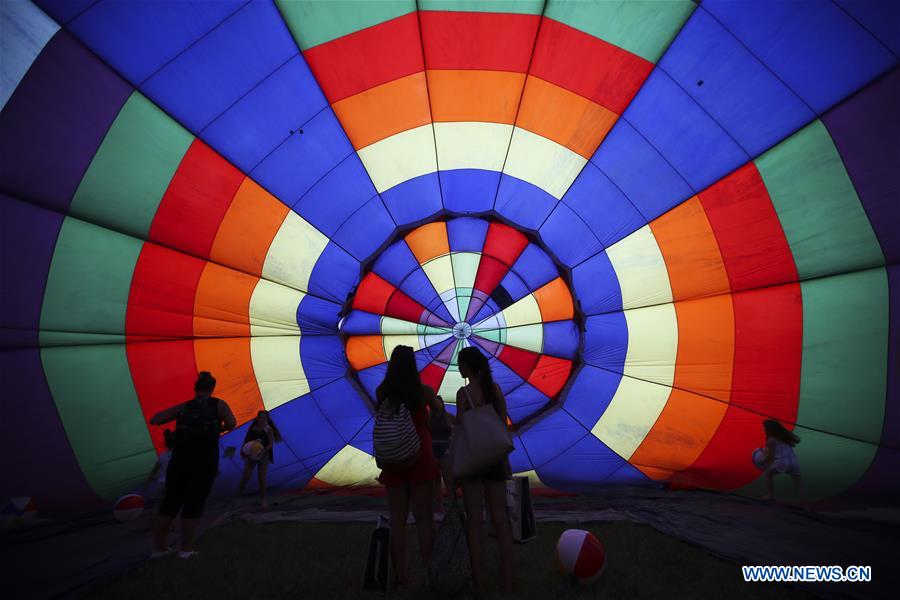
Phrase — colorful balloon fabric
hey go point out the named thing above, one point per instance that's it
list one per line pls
(664, 222)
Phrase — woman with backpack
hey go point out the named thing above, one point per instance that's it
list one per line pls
(488, 483)
(403, 451)
(264, 431)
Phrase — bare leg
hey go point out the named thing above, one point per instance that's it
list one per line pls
(188, 529)
(261, 470)
(421, 506)
(436, 494)
(770, 488)
(161, 532)
(473, 498)
(496, 496)
(245, 477)
(398, 502)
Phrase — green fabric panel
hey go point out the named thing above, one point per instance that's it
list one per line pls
(88, 284)
(823, 220)
(643, 27)
(65, 338)
(130, 172)
(523, 7)
(100, 412)
(314, 22)
(495, 335)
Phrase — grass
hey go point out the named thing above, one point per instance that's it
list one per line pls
(325, 560)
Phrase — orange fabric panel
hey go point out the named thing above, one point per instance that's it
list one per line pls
(364, 351)
(228, 359)
(249, 226)
(703, 370)
(555, 301)
(691, 252)
(563, 116)
(385, 110)
(484, 96)
(429, 241)
(222, 302)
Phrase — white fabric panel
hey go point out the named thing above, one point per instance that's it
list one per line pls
(294, 252)
(641, 270)
(542, 162)
(400, 157)
(472, 145)
(440, 273)
(273, 309)
(450, 385)
(392, 326)
(279, 372)
(24, 31)
(652, 343)
(351, 466)
(527, 337)
(523, 312)
(630, 415)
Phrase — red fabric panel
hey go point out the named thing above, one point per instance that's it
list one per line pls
(476, 40)
(367, 58)
(490, 272)
(402, 306)
(164, 374)
(161, 299)
(588, 66)
(591, 558)
(765, 384)
(522, 362)
(195, 202)
(373, 294)
(432, 375)
(748, 231)
(550, 374)
(504, 242)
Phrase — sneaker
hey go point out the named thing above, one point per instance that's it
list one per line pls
(186, 553)
(161, 553)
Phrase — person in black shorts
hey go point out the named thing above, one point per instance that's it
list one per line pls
(195, 461)
(264, 431)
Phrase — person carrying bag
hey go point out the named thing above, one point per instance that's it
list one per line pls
(480, 439)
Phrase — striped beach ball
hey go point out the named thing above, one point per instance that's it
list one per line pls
(581, 555)
(128, 508)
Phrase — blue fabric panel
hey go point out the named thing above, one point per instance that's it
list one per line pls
(396, 263)
(466, 234)
(363, 439)
(359, 322)
(596, 287)
(606, 341)
(433, 352)
(518, 458)
(590, 393)
(371, 378)
(317, 316)
(515, 286)
(63, 11)
(551, 436)
(682, 132)
(503, 376)
(535, 268)
(524, 401)
(602, 206)
(336, 273)
(741, 94)
(490, 307)
(414, 200)
(365, 230)
(418, 287)
(306, 430)
(323, 359)
(336, 196)
(469, 190)
(561, 339)
(264, 119)
(640, 172)
(816, 48)
(581, 468)
(211, 75)
(137, 38)
(344, 408)
(880, 17)
(627, 474)
(300, 162)
(524, 204)
(568, 237)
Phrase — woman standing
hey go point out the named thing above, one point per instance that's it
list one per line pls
(490, 483)
(264, 431)
(402, 386)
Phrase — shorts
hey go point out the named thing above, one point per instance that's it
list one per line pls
(186, 491)
(439, 449)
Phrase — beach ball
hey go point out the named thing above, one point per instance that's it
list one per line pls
(758, 456)
(128, 508)
(253, 450)
(581, 555)
(17, 511)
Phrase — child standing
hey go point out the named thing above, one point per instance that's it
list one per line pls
(779, 457)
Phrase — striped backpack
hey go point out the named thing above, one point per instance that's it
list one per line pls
(395, 438)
